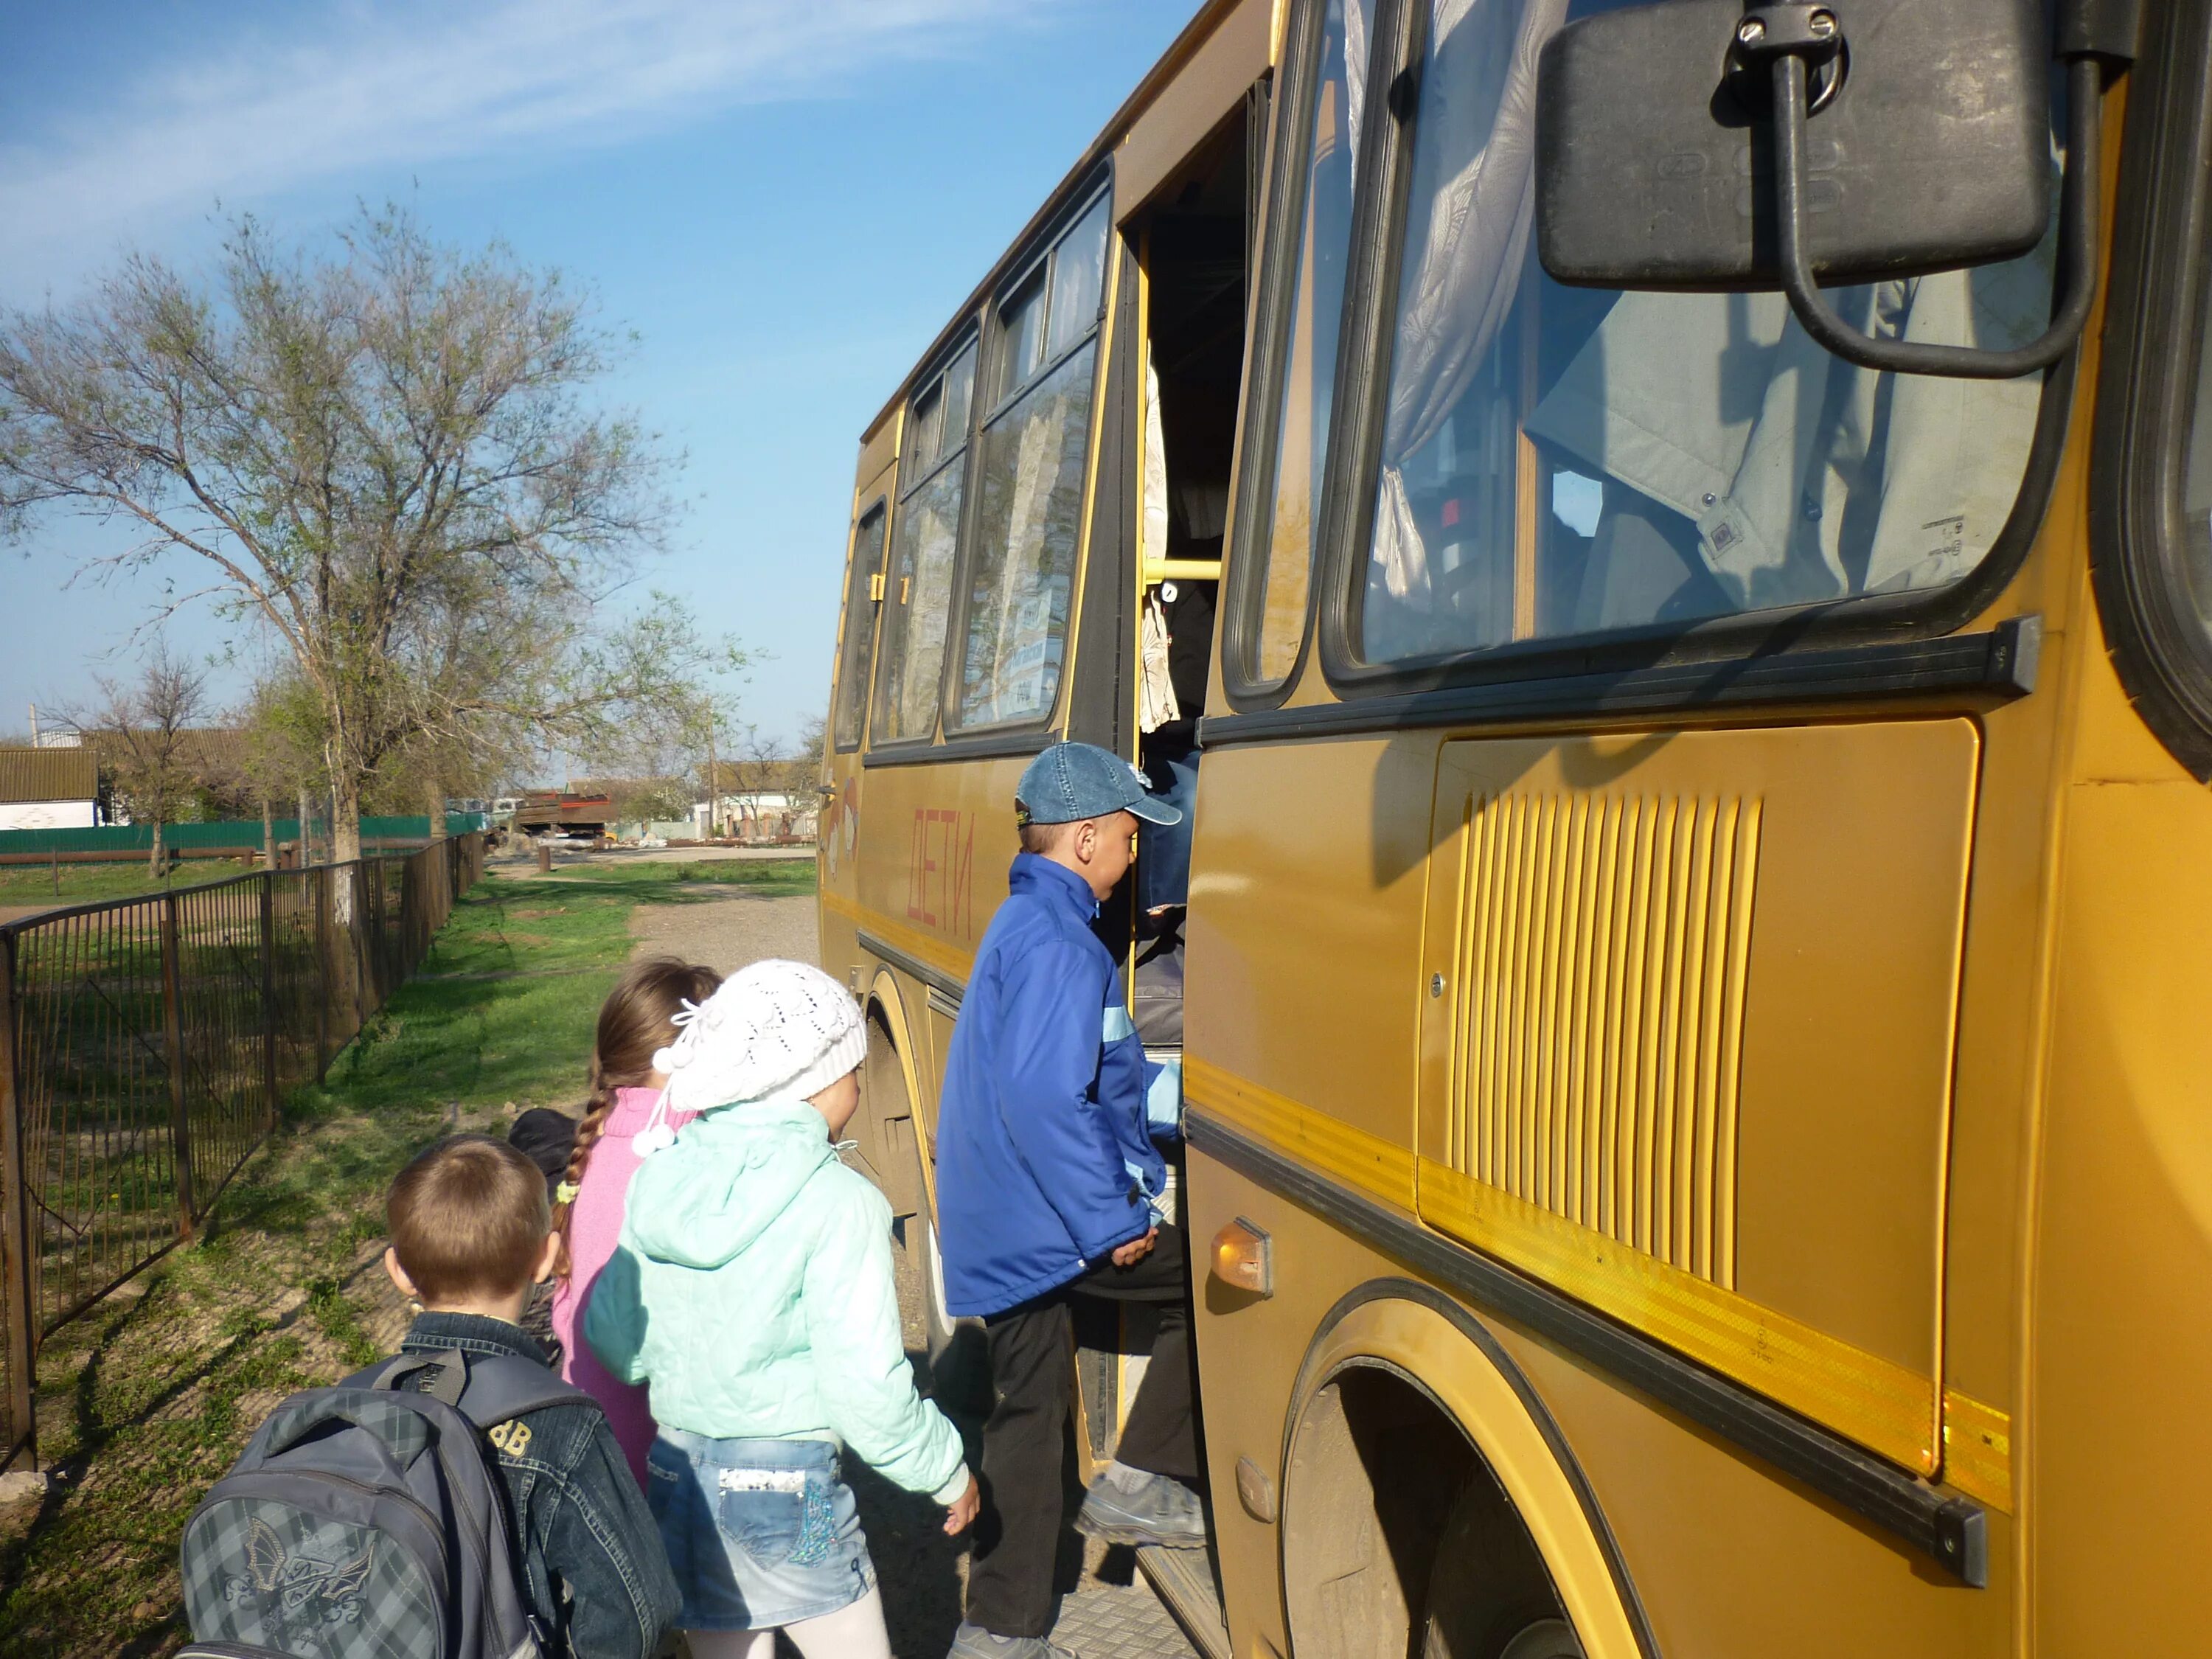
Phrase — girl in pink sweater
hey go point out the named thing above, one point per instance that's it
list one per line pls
(637, 1021)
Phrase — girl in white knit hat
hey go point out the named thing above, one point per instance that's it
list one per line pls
(752, 1288)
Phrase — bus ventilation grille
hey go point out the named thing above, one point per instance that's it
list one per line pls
(1600, 1027)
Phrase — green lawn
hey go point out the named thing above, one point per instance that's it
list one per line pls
(147, 1398)
(80, 883)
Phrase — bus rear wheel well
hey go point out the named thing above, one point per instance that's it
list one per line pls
(1397, 1537)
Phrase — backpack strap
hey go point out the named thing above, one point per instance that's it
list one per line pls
(487, 1389)
(501, 1387)
(387, 1376)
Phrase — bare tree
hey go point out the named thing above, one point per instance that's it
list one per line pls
(145, 733)
(383, 458)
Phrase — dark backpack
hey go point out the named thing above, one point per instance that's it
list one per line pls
(368, 1521)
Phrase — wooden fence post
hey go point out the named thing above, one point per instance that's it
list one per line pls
(269, 988)
(172, 1023)
(19, 1302)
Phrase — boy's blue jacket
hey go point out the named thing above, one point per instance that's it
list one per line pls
(1044, 1165)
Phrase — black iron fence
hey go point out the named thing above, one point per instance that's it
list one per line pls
(144, 1044)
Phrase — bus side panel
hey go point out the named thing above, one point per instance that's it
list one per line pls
(1731, 1560)
(1309, 878)
(931, 851)
(2114, 1444)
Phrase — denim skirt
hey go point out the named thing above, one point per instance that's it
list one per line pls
(759, 1532)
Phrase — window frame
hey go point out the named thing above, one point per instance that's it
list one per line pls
(903, 491)
(1583, 666)
(879, 507)
(1097, 189)
(1287, 196)
(2161, 272)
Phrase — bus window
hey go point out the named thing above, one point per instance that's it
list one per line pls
(1021, 338)
(1327, 154)
(1079, 270)
(1558, 462)
(918, 592)
(860, 629)
(1027, 518)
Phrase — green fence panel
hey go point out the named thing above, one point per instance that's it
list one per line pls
(124, 839)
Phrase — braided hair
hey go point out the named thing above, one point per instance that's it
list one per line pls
(635, 1022)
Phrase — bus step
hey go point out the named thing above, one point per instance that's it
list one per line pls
(1184, 1581)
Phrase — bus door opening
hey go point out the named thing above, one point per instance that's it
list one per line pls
(1196, 246)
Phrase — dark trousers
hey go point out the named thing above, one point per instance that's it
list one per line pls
(1032, 1374)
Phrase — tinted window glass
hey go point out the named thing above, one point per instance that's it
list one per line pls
(915, 599)
(1328, 153)
(1078, 267)
(928, 429)
(1571, 462)
(859, 635)
(1021, 338)
(1028, 527)
(959, 396)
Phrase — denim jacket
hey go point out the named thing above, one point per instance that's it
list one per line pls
(592, 1558)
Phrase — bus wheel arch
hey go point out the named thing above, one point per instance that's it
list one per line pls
(1413, 1441)
(895, 1147)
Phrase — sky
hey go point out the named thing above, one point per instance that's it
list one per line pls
(785, 200)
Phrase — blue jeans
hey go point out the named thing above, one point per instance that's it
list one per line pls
(1163, 851)
(759, 1532)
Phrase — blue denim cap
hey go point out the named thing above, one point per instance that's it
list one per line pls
(1075, 780)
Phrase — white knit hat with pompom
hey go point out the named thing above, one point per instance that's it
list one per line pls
(776, 1027)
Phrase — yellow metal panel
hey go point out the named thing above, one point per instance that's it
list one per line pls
(1692, 996)
(1977, 1450)
(1208, 86)
(1886, 1407)
(1513, 979)
(1730, 1559)
(880, 447)
(1331, 1147)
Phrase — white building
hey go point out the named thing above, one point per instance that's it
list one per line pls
(758, 815)
(45, 789)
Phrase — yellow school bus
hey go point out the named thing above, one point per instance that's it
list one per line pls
(1696, 954)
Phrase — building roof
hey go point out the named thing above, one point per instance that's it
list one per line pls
(27, 774)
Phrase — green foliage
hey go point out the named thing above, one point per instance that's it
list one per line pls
(384, 455)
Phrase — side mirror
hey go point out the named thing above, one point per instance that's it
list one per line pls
(1926, 146)
(1703, 144)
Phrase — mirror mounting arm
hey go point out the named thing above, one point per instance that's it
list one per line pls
(2077, 237)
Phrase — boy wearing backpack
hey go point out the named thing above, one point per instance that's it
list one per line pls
(335, 1532)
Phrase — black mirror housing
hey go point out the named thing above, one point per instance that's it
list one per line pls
(1655, 156)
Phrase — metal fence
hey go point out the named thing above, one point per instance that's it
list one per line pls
(144, 1045)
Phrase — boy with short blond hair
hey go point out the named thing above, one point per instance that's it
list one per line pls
(471, 1237)
(1047, 1178)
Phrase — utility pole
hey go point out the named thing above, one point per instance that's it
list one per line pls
(714, 776)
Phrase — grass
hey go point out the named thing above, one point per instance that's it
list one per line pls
(147, 1398)
(80, 883)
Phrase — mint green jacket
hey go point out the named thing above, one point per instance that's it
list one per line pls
(752, 1288)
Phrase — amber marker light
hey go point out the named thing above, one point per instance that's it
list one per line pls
(1243, 1259)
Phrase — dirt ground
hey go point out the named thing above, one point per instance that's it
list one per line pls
(726, 932)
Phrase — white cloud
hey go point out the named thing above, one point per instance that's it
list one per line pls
(407, 86)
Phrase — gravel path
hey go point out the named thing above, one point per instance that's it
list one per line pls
(727, 931)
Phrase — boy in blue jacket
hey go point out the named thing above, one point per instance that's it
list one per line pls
(1046, 1178)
